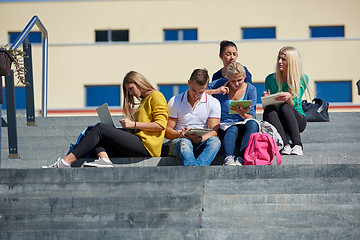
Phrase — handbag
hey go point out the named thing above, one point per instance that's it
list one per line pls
(316, 111)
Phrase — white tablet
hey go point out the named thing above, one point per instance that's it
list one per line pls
(270, 100)
(199, 132)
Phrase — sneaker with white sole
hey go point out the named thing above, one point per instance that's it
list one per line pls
(99, 163)
(58, 164)
(286, 150)
(238, 161)
(297, 150)
(229, 161)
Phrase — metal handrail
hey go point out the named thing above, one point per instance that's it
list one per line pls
(44, 34)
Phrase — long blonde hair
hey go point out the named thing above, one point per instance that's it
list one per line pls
(129, 100)
(294, 70)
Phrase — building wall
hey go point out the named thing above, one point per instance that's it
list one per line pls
(75, 60)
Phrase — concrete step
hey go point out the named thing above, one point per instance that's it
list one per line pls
(45, 131)
(159, 204)
(331, 148)
(102, 189)
(107, 221)
(118, 162)
(288, 186)
(273, 216)
(278, 232)
(44, 141)
(45, 157)
(43, 153)
(338, 172)
(345, 136)
(283, 201)
(314, 153)
(80, 175)
(95, 234)
(53, 148)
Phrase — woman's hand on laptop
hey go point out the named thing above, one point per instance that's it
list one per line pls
(127, 123)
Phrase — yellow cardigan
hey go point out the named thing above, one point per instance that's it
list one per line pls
(153, 108)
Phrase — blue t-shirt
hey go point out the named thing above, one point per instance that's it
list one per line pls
(250, 94)
(219, 75)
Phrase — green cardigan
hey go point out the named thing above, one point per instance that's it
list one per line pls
(270, 84)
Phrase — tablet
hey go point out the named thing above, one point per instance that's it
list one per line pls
(270, 100)
(199, 132)
(244, 104)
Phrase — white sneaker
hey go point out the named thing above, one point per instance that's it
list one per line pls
(238, 161)
(58, 164)
(286, 150)
(100, 163)
(297, 150)
(229, 161)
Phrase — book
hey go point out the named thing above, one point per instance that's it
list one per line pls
(243, 103)
(226, 125)
(199, 132)
(270, 100)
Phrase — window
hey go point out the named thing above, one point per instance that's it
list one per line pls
(111, 35)
(20, 100)
(98, 95)
(171, 90)
(34, 37)
(334, 91)
(258, 33)
(260, 88)
(329, 31)
(180, 34)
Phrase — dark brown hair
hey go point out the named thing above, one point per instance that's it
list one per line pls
(224, 44)
(200, 76)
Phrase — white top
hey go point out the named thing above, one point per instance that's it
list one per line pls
(180, 109)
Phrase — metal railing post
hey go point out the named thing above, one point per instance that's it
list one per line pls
(44, 76)
(11, 116)
(29, 88)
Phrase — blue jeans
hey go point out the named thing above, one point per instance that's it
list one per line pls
(187, 151)
(233, 133)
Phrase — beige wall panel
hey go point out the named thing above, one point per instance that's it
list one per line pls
(75, 22)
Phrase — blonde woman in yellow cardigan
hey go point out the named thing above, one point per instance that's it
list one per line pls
(149, 121)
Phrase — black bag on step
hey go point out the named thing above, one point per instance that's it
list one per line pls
(316, 111)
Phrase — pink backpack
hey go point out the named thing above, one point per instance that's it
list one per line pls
(261, 150)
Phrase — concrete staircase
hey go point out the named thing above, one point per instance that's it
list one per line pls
(315, 196)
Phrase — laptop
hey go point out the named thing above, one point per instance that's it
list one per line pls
(105, 115)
